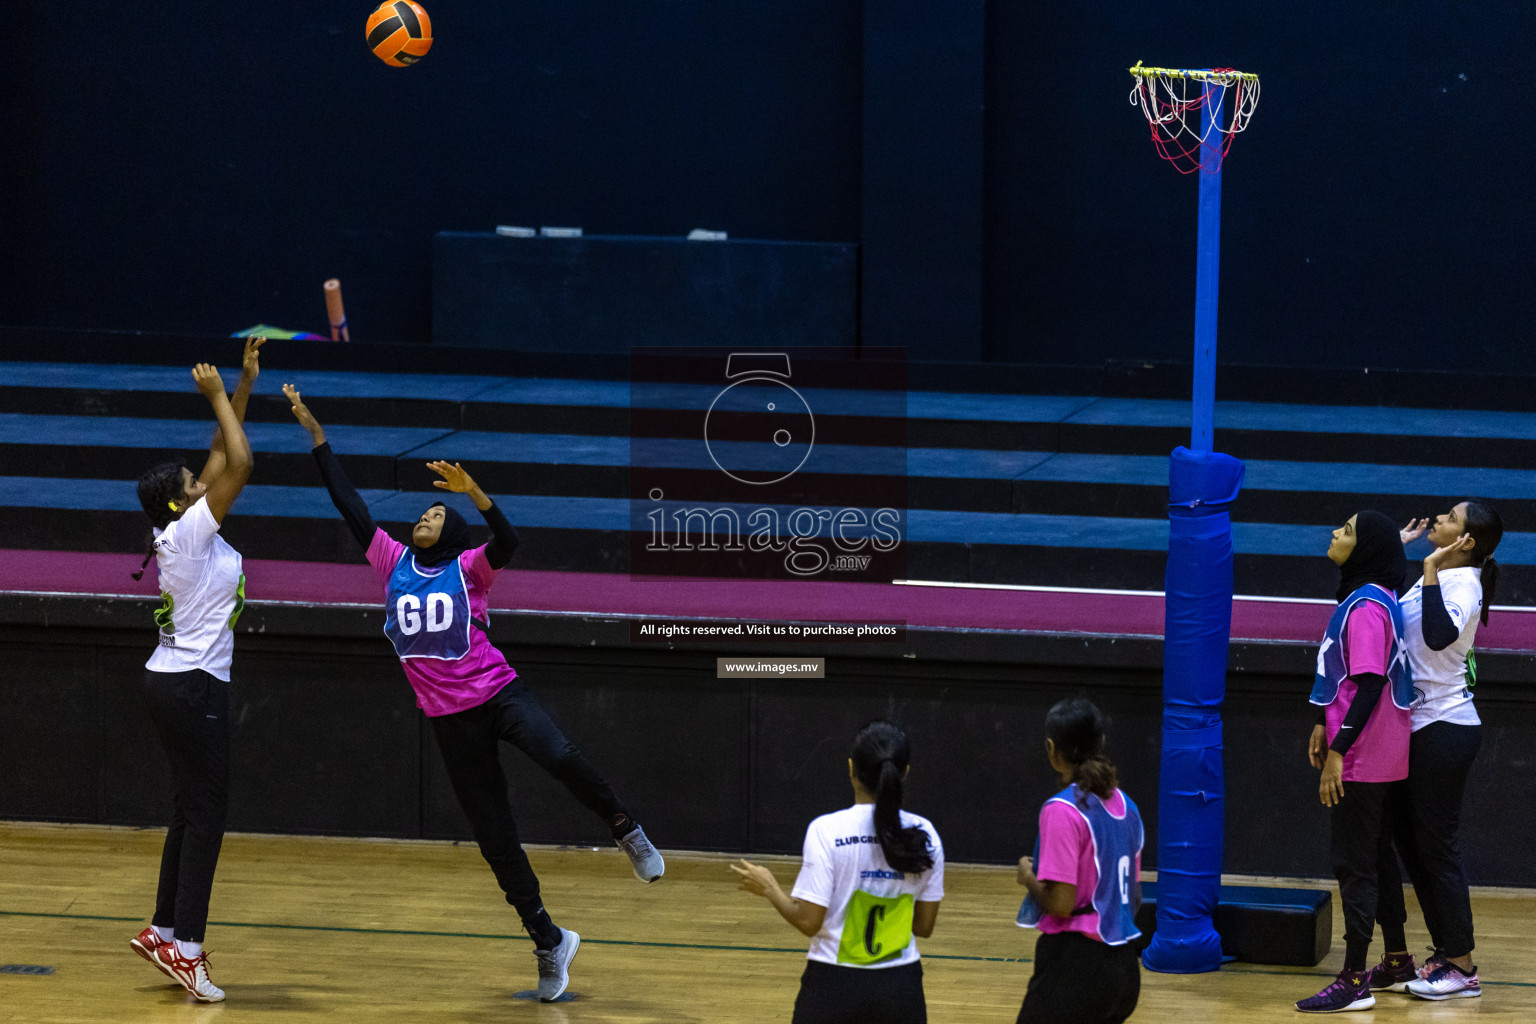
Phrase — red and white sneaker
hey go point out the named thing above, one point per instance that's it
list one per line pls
(146, 944)
(191, 973)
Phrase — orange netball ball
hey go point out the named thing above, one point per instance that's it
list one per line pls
(399, 33)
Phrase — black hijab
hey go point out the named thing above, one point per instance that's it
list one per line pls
(1377, 558)
(452, 542)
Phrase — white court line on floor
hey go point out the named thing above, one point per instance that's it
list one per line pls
(1140, 593)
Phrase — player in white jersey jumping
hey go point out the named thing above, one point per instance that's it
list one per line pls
(186, 680)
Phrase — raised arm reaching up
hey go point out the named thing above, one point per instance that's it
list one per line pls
(250, 369)
(353, 509)
(226, 487)
(503, 537)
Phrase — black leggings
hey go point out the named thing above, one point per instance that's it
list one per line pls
(191, 713)
(1079, 980)
(469, 742)
(1358, 829)
(833, 994)
(1424, 822)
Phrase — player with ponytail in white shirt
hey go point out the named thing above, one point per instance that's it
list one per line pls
(186, 680)
(870, 884)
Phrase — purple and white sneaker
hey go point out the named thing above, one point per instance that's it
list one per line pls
(1435, 959)
(1351, 990)
(1393, 973)
(1447, 981)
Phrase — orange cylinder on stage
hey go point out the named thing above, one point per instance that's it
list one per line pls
(334, 310)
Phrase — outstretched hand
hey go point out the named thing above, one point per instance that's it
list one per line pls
(1413, 531)
(208, 381)
(807, 917)
(250, 363)
(753, 878)
(454, 478)
(303, 415)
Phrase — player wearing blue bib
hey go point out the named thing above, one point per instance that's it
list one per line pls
(1117, 841)
(1084, 882)
(431, 610)
(436, 610)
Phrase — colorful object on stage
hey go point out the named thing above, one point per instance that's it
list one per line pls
(268, 331)
(399, 33)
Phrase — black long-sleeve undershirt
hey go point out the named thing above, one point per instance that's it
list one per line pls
(1439, 631)
(503, 538)
(353, 509)
(1368, 687)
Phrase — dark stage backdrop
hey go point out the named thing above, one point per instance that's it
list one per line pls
(203, 167)
(183, 167)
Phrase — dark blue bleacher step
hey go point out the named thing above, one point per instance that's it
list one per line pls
(1089, 425)
(1259, 925)
(935, 420)
(1125, 378)
(120, 448)
(586, 534)
(1041, 483)
(1274, 491)
(1253, 431)
(430, 401)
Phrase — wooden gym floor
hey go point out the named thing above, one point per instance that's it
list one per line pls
(309, 929)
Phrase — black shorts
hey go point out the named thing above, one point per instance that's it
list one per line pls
(830, 994)
(1079, 980)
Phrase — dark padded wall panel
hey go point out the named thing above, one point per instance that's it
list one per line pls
(128, 793)
(1496, 840)
(669, 739)
(50, 731)
(326, 741)
(584, 295)
(1274, 817)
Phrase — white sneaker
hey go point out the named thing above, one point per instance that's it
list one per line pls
(1447, 981)
(192, 973)
(643, 856)
(554, 965)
